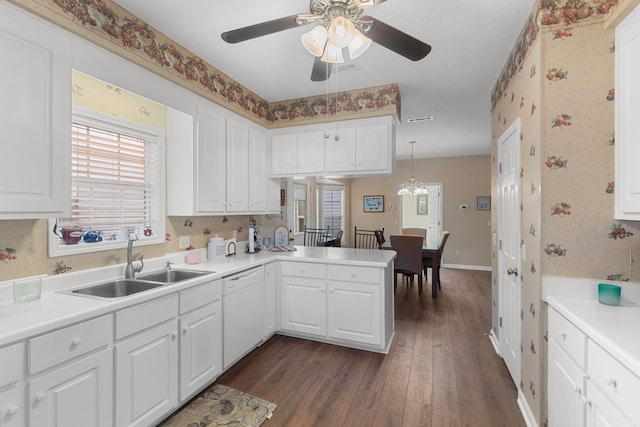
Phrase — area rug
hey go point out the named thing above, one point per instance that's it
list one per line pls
(222, 406)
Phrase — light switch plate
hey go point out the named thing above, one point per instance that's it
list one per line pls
(184, 242)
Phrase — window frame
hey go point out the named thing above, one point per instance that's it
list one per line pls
(108, 122)
(321, 202)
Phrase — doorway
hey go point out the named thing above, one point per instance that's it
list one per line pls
(423, 211)
(509, 249)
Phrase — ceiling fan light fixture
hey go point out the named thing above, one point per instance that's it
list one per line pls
(332, 54)
(315, 40)
(358, 45)
(341, 31)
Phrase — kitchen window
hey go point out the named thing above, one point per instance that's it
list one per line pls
(331, 208)
(117, 185)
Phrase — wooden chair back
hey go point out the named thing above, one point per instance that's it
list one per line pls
(408, 261)
(315, 236)
(368, 239)
(338, 241)
(416, 232)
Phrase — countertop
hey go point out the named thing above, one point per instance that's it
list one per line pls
(56, 309)
(614, 328)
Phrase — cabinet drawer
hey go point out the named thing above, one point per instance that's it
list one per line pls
(56, 347)
(354, 274)
(616, 381)
(143, 316)
(568, 336)
(12, 364)
(303, 269)
(200, 295)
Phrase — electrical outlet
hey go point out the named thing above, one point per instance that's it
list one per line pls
(457, 251)
(185, 242)
(235, 234)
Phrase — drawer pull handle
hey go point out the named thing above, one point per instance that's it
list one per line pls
(174, 335)
(563, 335)
(612, 382)
(40, 397)
(76, 342)
(13, 410)
(185, 331)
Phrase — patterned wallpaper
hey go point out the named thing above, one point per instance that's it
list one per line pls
(560, 82)
(112, 27)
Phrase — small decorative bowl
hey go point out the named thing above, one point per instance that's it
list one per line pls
(609, 294)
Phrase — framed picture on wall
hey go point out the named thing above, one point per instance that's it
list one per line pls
(422, 204)
(374, 203)
(484, 203)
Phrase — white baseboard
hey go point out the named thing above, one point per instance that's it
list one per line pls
(467, 267)
(527, 414)
(494, 341)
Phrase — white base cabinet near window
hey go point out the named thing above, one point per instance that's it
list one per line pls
(303, 298)
(146, 359)
(12, 404)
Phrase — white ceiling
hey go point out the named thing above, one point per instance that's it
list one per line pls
(470, 43)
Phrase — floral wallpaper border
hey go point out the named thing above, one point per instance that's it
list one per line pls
(112, 27)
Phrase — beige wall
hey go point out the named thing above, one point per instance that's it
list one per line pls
(462, 178)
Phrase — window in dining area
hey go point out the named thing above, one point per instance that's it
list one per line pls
(331, 208)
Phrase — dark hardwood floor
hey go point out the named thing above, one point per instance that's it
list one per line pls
(441, 371)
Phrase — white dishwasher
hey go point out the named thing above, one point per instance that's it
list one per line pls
(242, 313)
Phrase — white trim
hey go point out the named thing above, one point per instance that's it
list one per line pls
(467, 267)
(495, 342)
(527, 414)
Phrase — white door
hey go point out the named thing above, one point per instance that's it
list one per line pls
(431, 221)
(509, 248)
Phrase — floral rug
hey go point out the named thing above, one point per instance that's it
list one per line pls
(222, 406)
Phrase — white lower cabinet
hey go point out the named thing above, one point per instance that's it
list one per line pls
(70, 380)
(200, 337)
(586, 385)
(146, 360)
(12, 404)
(303, 298)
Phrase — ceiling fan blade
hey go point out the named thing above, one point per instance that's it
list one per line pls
(394, 39)
(261, 29)
(321, 70)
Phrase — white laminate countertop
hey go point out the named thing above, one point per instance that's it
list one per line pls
(614, 328)
(56, 309)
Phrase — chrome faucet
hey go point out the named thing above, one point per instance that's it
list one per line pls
(130, 271)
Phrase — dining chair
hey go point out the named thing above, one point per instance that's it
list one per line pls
(426, 263)
(408, 260)
(315, 236)
(338, 241)
(416, 232)
(368, 239)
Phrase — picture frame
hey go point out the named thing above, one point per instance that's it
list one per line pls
(484, 203)
(422, 204)
(374, 203)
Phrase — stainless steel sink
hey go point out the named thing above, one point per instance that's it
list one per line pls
(116, 288)
(172, 275)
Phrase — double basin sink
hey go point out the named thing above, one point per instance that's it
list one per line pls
(125, 287)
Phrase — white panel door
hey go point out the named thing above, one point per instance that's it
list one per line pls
(304, 305)
(372, 148)
(354, 312)
(310, 152)
(35, 118)
(566, 390)
(509, 248)
(340, 150)
(283, 154)
(237, 167)
(259, 184)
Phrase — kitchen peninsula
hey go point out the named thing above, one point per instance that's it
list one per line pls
(62, 345)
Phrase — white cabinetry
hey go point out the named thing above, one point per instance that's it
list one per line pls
(586, 385)
(200, 337)
(71, 376)
(237, 177)
(353, 147)
(627, 194)
(264, 193)
(354, 303)
(270, 280)
(35, 117)
(303, 298)
(146, 359)
(12, 405)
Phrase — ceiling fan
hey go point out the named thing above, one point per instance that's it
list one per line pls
(341, 26)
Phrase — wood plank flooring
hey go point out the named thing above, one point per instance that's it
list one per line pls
(441, 370)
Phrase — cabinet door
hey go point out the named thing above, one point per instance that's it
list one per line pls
(258, 176)
(273, 189)
(270, 325)
(373, 148)
(237, 167)
(310, 152)
(283, 154)
(304, 305)
(627, 194)
(146, 375)
(354, 312)
(211, 175)
(566, 387)
(35, 118)
(341, 152)
(12, 407)
(200, 348)
(78, 394)
(601, 412)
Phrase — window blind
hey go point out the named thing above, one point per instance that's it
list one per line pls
(332, 209)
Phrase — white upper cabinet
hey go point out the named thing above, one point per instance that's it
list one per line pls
(237, 177)
(35, 117)
(627, 134)
(353, 147)
(211, 162)
(258, 176)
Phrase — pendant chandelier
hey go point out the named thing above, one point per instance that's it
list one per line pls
(412, 188)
